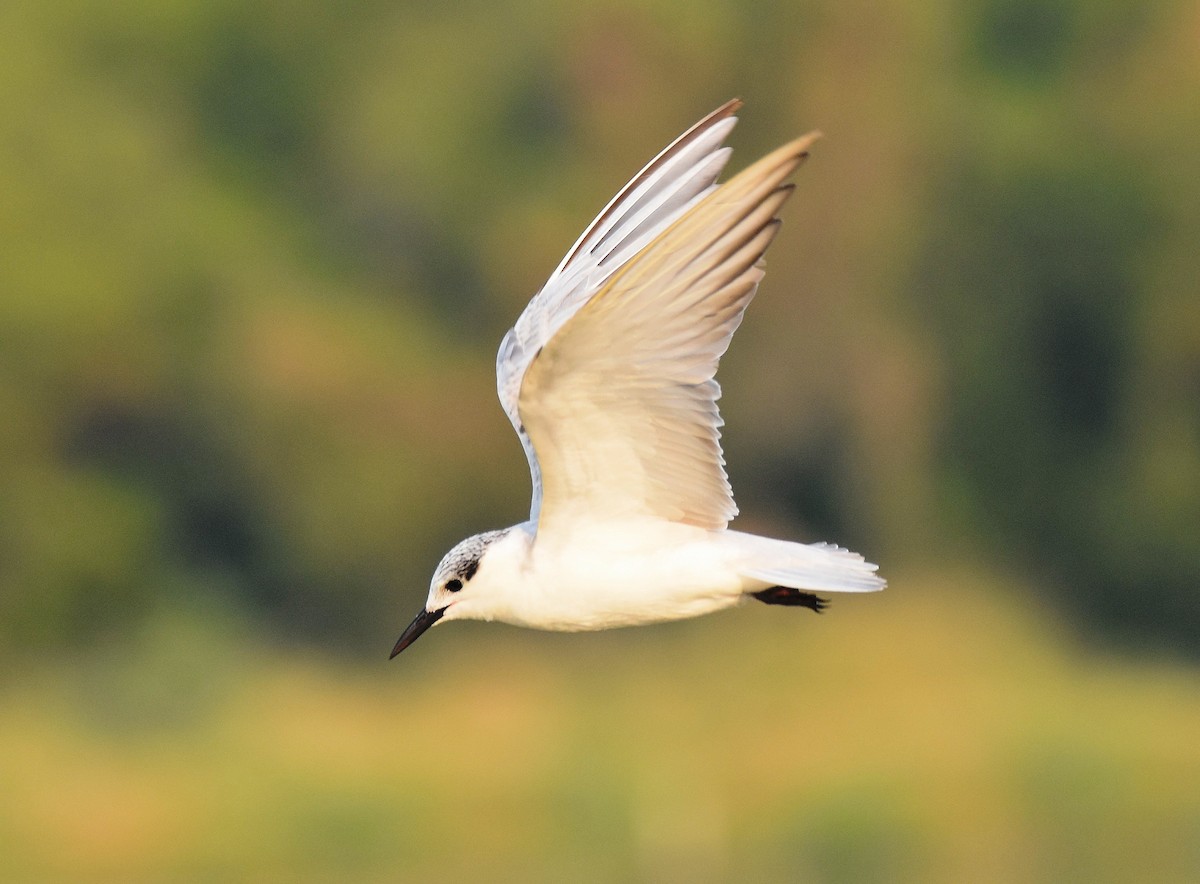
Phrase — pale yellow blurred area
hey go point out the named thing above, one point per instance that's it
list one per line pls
(943, 731)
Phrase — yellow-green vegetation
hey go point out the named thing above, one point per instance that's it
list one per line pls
(257, 259)
(939, 732)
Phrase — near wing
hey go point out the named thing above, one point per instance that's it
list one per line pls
(671, 183)
(620, 404)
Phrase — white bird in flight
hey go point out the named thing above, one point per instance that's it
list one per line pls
(607, 377)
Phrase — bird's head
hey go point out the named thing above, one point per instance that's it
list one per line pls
(456, 590)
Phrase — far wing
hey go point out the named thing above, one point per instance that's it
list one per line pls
(671, 183)
(620, 405)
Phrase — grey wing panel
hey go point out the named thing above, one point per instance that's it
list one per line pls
(655, 198)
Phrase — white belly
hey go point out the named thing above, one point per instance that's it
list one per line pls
(601, 579)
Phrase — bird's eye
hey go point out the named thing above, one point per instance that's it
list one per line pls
(453, 584)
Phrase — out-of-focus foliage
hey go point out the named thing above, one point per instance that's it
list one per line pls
(1067, 309)
(257, 258)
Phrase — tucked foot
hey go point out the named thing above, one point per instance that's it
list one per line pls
(793, 598)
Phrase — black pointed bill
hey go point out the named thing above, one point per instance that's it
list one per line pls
(420, 623)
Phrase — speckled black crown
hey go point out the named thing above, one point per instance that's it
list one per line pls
(463, 560)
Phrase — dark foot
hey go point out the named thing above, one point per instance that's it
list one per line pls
(793, 598)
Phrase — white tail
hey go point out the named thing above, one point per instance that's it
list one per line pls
(820, 566)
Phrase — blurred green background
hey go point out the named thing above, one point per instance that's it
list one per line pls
(255, 260)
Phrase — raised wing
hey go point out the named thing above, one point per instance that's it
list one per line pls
(620, 404)
(669, 184)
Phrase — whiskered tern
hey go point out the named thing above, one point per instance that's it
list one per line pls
(608, 379)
